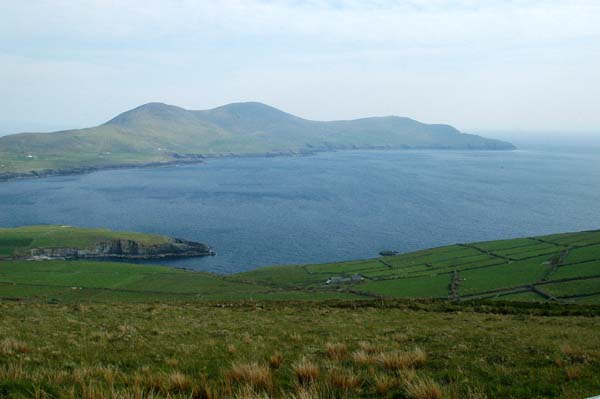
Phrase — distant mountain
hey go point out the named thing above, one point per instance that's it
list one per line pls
(160, 133)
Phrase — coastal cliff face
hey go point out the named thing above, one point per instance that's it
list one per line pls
(126, 249)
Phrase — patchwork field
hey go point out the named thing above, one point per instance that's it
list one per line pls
(562, 268)
(559, 268)
(90, 329)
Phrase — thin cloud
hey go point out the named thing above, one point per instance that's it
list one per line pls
(528, 63)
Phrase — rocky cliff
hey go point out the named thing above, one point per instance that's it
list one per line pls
(126, 249)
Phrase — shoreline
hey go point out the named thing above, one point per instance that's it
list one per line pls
(192, 159)
(170, 255)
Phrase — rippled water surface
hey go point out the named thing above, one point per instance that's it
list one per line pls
(326, 207)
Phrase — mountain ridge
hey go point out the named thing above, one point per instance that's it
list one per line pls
(159, 133)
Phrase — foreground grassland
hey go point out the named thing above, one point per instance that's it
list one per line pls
(95, 330)
(297, 350)
(563, 268)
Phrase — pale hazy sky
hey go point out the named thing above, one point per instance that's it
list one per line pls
(520, 64)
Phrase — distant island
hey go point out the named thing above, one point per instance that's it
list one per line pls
(157, 134)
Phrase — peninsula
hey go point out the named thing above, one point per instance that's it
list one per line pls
(47, 242)
(156, 134)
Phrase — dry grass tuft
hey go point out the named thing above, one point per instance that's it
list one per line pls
(296, 337)
(305, 393)
(248, 392)
(336, 351)
(423, 388)
(257, 376)
(363, 358)
(402, 360)
(305, 371)
(573, 372)
(127, 329)
(384, 384)
(343, 380)
(367, 347)
(574, 355)
(109, 374)
(276, 360)
(10, 346)
(179, 382)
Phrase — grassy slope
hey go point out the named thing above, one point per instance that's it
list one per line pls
(154, 132)
(132, 331)
(190, 350)
(564, 268)
(70, 281)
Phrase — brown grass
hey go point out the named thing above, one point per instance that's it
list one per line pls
(276, 360)
(336, 351)
(343, 380)
(295, 337)
(179, 382)
(367, 347)
(402, 360)
(256, 375)
(305, 371)
(574, 355)
(423, 388)
(231, 348)
(305, 393)
(363, 358)
(384, 384)
(573, 372)
(248, 392)
(10, 346)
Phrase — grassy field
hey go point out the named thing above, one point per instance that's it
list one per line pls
(95, 330)
(84, 281)
(419, 350)
(558, 268)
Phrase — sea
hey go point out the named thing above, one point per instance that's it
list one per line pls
(327, 207)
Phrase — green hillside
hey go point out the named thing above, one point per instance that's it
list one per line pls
(560, 267)
(563, 268)
(157, 133)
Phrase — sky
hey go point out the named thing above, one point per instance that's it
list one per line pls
(518, 65)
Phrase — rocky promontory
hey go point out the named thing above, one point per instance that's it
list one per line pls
(127, 249)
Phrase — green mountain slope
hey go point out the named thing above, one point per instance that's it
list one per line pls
(160, 133)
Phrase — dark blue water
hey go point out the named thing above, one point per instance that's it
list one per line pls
(327, 207)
